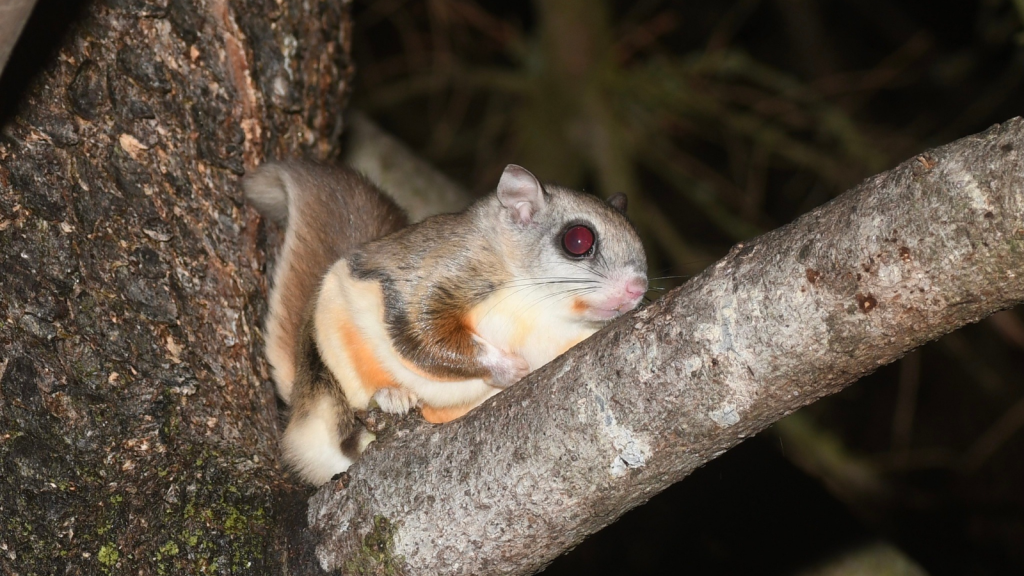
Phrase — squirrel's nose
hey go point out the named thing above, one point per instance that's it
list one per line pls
(636, 287)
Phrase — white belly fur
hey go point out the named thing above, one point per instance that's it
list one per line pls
(529, 324)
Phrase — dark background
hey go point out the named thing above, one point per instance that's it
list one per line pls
(731, 118)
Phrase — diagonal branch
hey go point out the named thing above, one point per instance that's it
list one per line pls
(13, 16)
(781, 321)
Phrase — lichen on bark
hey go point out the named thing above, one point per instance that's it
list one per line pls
(376, 555)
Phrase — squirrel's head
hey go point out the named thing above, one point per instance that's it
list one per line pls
(579, 254)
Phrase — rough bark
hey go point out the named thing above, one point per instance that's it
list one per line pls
(785, 319)
(137, 426)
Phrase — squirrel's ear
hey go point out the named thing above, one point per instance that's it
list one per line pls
(520, 192)
(618, 202)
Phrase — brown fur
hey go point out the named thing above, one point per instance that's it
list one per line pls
(337, 210)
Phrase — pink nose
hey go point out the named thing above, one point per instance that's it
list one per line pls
(636, 287)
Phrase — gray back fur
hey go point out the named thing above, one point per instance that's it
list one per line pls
(434, 272)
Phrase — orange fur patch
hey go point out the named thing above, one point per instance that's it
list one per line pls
(579, 306)
(442, 415)
(371, 374)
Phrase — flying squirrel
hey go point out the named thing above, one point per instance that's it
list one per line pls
(442, 314)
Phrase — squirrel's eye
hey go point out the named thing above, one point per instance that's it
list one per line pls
(578, 240)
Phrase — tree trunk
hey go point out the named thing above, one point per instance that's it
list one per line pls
(137, 425)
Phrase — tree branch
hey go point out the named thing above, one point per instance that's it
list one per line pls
(13, 15)
(416, 185)
(781, 321)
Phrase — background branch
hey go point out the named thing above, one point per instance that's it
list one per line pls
(13, 15)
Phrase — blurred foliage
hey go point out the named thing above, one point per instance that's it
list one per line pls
(722, 120)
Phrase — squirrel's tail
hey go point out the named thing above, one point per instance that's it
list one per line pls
(327, 212)
(323, 436)
(267, 189)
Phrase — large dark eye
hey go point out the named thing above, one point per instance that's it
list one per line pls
(578, 240)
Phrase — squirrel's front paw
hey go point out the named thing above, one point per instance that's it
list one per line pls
(395, 400)
(506, 368)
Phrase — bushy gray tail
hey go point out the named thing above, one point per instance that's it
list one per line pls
(267, 189)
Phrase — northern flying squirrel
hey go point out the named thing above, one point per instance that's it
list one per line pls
(442, 314)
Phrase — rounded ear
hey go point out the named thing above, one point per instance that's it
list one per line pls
(618, 202)
(521, 194)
